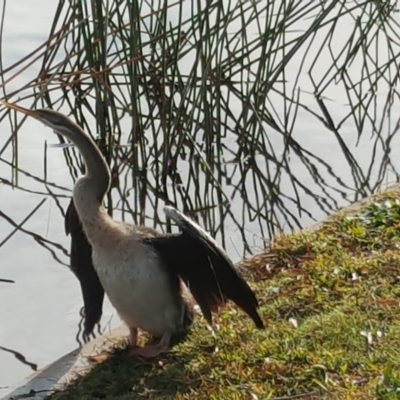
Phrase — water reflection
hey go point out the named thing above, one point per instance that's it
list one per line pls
(251, 132)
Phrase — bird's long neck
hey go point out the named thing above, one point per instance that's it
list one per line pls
(89, 190)
(97, 171)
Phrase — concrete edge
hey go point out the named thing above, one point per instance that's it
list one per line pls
(56, 375)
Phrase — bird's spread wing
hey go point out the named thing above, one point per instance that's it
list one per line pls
(205, 268)
(81, 264)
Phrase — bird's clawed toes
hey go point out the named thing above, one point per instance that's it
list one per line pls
(152, 350)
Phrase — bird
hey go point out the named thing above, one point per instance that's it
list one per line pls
(152, 279)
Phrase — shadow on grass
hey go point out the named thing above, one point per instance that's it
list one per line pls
(164, 377)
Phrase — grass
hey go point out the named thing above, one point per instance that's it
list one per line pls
(330, 300)
(197, 104)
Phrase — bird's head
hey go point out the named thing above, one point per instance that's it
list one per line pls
(58, 122)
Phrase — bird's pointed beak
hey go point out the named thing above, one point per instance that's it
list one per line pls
(11, 106)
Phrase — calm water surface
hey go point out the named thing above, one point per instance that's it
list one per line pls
(40, 312)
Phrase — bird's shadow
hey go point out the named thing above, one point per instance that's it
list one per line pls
(162, 377)
(119, 374)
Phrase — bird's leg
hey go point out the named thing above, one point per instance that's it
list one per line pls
(153, 350)
(133, 337)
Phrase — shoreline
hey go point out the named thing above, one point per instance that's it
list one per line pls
(56, 375)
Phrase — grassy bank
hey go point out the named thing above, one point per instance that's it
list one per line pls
(330, 299)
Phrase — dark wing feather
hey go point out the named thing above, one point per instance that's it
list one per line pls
(81, 264)
(205, 268)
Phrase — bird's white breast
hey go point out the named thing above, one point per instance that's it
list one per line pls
(137, 286)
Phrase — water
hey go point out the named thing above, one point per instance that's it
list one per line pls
(40, 312)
